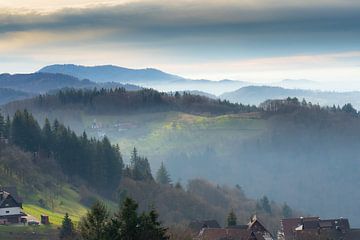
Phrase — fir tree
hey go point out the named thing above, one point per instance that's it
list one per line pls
(128, 225)
(286, 211)
(265, 204)
(93, 225)
(162, 175)
(2, 125)
(231, 219)
(67, 228)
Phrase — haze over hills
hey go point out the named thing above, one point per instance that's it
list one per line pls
(148, 77)
(110, 73)
(278, 153)
(258, 94)
(21, 86)
(8, 95)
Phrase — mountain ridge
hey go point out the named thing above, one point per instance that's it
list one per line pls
(258, 94)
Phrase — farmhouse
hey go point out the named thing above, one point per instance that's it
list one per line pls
(254, 230)
(10, 209)
(315, 228)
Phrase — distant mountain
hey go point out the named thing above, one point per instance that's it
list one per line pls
(110, 73)
(298, 83)
(257, 94)
(149, 77)
(20, 86)
(41, 82)
(8, 95)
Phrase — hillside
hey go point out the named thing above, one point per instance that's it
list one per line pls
(110, 73)
(8, 95)
(258, 94)
(118, 100)
(21, 86)
(149, 77)
(56, 171)
(276, 153)
(41, 82)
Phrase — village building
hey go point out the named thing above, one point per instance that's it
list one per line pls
(10, 209)
(254, 230)
(310, 228)
(197, 226)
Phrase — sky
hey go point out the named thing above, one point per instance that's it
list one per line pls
(249, 40)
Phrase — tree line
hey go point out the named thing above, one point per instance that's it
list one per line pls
(293, 104)
(125, 224)
(98, 162)
(115, 100)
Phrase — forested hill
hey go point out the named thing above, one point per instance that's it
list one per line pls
(119, 100)
(21, 86)
(54, 168)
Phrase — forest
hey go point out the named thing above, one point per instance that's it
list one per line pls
(43, 160)
(119, 100)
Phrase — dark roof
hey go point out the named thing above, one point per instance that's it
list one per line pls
(228, 234)
(289, 225)
(239, 227)
(353, 234)
(196, 226)
(14, 193)
(5, 197)
(314, 227)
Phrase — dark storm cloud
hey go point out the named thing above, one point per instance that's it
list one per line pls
(216, 24)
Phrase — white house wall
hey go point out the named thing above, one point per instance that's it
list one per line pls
(10, 211)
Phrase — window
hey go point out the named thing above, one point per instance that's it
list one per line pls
(7, 212)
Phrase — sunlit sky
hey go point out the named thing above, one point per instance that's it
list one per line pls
(250, 40)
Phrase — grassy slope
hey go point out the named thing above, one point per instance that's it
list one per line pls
(67, 202)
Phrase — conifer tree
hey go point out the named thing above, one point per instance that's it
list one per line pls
(67, 228)
(286, 211)
(265, 204)
(162, 175)
(7, 127)
(93, 225)
(231, 219)
(2, 125)
(128, 225)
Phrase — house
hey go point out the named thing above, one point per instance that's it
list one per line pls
(228, 234)
(10, 209)
(196, 226)
(254, 230)
(314, 228)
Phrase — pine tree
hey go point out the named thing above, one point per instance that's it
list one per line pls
(93, 225)
(7, 127)
(128, 220)
(178, 185)
(67, 228)
(265, 204)
(150, 227)
(2, 125)
(286, 211)
(128, 225)
(47, 136)
(231, 219)
(162, 175)
(140, 167)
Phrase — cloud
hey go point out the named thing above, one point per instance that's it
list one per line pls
(185, 32)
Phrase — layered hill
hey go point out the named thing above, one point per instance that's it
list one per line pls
(258, 94)
(278, 153)
(149, 77)
(56, 171)
(8, 95)
(21, 86)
